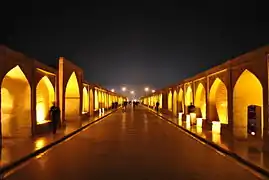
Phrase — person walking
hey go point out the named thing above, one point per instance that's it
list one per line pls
(157, 106)
(55, 117)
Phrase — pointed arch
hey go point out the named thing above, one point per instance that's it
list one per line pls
(200, 101)
(85, 104)
(161, 100)
(175, 102)
(91, 101)
(180, 101)
(99, 99)
(72, 98)
(15, 104)
(247, 91)
(170, 101)
(188, 96)
(218, 101)
(45, 96)
(96, 100)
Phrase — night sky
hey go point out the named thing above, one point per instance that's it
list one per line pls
(137, 44)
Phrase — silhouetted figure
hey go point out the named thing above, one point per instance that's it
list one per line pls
(125, 103)
(191, 108)
(55, 117)
(157, 106)
(134, 104)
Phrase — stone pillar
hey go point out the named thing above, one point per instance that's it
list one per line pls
(230, 99)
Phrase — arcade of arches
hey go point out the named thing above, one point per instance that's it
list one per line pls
(212, 103)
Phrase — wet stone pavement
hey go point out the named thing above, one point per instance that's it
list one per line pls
(133, 145)
(16, 148)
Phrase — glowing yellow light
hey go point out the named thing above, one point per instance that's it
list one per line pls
(40, 143)
(216, 127)
(85, 104)
(188, 121)
(175, 103)
(40, 113)
(188, 96)
(216, 138)
(218, 102)
(193, 118)
(170, 101)
(248, 90)
(44, 98)
(199, 122)
(180, 122)
(180, 116)
(199, 130)
(72, 97)
(200, 99)
(15, 103)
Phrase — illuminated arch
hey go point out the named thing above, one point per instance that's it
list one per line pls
(72, 98)
(110, 101)
(218, 101)
(96, 100)
(103, 99)
(15, 104)
(175, 102)
(247, 91)
(161, 100)
(152, 101)
(180, 101)
(85, 104)
(100, 99)
(91, 102)
(200, 101)
(170, 101)
(45, 96)
(188, 96)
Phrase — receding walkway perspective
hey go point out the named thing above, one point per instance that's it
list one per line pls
(133, 145)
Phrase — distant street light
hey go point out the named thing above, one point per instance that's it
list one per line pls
(153, 91)
(146, 89)
(132, 92)
(112, 90)
(123, 89)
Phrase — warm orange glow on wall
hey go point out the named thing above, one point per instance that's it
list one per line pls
(216, 127)
(85, 105)
(15, 104)
(72, 98)
(175, 103)
(170, 101)
(247, 91)
(109, 101)
(188, 96)
(91, 101)
(45, 96)
(218, 110)
(100, 99)
(96, 100)
(200, 101)
(161, 100)
(180, 101)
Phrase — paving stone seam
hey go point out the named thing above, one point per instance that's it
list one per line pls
(217, 147)
(14, 164)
